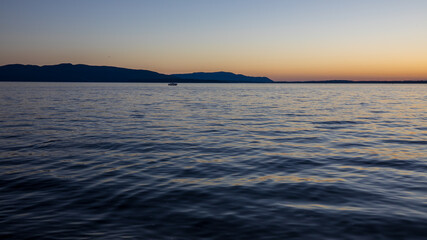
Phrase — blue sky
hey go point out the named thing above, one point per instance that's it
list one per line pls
(284, 40)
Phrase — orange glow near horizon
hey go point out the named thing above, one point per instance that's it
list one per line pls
(286, 41)
(298, 67)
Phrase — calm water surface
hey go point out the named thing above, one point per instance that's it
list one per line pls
(213, 161)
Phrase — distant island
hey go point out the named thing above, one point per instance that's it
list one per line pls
(67, 72)
(352, 81)
(223, 76)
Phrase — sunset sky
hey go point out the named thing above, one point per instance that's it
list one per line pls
(283, 40)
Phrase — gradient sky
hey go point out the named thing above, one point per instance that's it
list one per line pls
(280, 39)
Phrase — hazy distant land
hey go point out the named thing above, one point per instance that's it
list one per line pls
(224, 77)
(67, 72)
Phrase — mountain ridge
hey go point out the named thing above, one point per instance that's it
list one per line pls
(223, 76)
(67, 72)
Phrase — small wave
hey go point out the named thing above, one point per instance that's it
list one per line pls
(138, 116)
(17, 125)
(339, 122)
(417, 142)
(351, 145)
(323, 207)
(305, 140)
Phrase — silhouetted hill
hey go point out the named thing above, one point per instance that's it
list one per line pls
(351, 81)
(223, 77)
(67, 72)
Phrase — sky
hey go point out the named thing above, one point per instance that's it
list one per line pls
(280, 39)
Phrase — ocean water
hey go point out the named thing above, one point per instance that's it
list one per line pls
(213, 161)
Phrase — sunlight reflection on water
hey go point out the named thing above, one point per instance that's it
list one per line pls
(274, 161)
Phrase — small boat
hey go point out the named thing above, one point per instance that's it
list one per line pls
(172, 84)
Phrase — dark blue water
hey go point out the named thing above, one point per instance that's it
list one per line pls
(213, 161)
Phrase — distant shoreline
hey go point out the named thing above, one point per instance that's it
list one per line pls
(219, 82)
(67, 72)
(355, 82)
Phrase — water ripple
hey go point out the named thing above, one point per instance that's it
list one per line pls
(212, 161)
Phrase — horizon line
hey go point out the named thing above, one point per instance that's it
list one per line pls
(222, 71)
